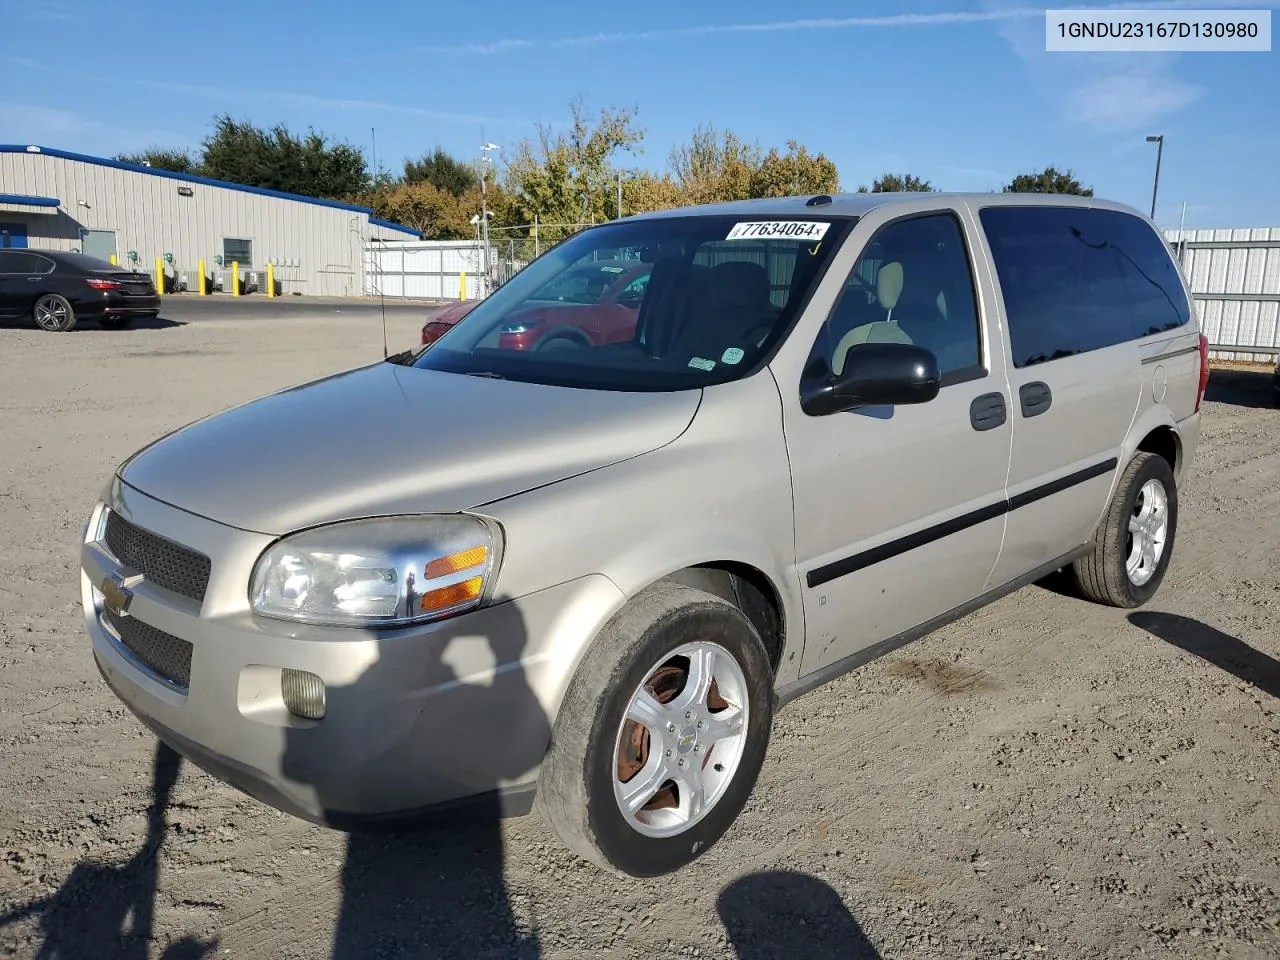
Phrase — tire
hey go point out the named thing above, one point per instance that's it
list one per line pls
(54, 313)
(560, 341)
(1104, 575)
(584, 765)
(115, 323)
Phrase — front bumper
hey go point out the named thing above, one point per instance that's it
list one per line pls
(415, 719)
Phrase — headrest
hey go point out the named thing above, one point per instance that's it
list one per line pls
(889, 284)
(741, 281)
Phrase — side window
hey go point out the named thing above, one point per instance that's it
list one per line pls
(24, 263)
(239, 250)
(1076, 280)
(911, 284)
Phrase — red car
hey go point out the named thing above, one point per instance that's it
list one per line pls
(595, 303)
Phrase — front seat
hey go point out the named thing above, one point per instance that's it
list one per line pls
(889, 281)
(736, 300)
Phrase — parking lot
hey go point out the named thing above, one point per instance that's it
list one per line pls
(1045, 778)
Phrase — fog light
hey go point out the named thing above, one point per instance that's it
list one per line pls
(303, 693)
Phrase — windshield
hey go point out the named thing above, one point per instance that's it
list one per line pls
(664, 304)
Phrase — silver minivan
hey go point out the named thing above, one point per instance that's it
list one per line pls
(583, 571)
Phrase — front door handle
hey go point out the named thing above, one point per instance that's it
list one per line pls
(988, 411)
(1036, 398)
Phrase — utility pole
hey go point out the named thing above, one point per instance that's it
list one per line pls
(1159, 142)
(619, 194)
(484, 209)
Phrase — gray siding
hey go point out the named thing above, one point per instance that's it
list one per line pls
(150, 216)
(1235, 277)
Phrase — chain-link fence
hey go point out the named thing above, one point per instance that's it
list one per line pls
(514, 248)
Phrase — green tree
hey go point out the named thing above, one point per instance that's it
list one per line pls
(794, 173)
(568, 177)
(277, 159)
(443, 171)
(161, 158)
(1049, 180)
(714, 168)
(899, 183)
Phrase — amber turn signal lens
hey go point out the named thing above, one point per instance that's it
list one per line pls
(451, 596)
(457, 562)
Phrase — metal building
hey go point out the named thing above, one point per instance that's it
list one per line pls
(137, 214)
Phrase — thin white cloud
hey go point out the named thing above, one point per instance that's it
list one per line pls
(26, 64)
(1106, 93)
(51, 127)
(993, 14)
(323, 103)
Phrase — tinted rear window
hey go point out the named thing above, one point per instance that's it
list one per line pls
(1076, 280)
(82, 261)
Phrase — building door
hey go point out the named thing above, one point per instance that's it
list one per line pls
(98, 243)
(13, 235)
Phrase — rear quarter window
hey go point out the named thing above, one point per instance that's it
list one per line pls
(1078, 279)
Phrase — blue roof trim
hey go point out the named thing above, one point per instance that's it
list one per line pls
(172, 175)
(30, 201)
(394, 226)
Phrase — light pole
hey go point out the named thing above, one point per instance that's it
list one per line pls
(484, 208)
(1159, 142)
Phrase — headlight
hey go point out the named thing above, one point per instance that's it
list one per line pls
(521, 326)
(378, 572)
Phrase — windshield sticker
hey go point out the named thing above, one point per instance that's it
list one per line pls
(610, 269)
(700, 364)
(732, 355)
(810, 230)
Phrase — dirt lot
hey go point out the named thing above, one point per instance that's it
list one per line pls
(1043, 779)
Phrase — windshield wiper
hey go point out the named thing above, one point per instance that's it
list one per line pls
(486, 373)
(402, 358)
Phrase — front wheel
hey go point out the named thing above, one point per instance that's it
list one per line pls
(662, 733)
(1133, 544)
(54, 313)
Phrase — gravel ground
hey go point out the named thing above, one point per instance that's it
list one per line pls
(1045, 778)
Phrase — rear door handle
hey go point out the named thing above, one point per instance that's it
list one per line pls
(1036, 398)
(988, 411)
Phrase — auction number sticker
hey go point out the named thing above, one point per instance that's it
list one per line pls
(809, 230)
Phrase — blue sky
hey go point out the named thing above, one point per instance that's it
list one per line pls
(962, 93)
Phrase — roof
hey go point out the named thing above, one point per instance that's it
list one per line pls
(29, 201)
(192, 178)
(860, 204)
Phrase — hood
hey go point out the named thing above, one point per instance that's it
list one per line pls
(387, 439)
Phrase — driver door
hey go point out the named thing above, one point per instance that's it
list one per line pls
(620, 311)
(899, 510)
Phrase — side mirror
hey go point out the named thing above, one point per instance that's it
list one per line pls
(874, 374)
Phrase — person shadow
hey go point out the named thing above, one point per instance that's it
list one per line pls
(105, 912)
(429, 886)
(1208, 643)
(785, 915)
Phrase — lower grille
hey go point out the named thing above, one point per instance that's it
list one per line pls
(167, 655)
(163, 562)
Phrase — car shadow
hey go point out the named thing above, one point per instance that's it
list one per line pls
(1242, 387)
(783, 915)
(1220, 649)
(102, 910)
(428, 886)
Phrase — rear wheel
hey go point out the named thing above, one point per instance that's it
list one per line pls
(54, 313)
(662, 733)
(1134, 542)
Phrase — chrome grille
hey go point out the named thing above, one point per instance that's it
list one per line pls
(161, 561)
(165, 654)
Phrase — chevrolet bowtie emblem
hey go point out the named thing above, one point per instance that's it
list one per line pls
(116, 595)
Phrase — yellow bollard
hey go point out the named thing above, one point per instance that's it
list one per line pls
(235, 278)
(271, 279)
(203, 291)
(159, 274)
(462, 285)
(114, 261)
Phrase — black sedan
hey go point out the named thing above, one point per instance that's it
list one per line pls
(58, 289)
